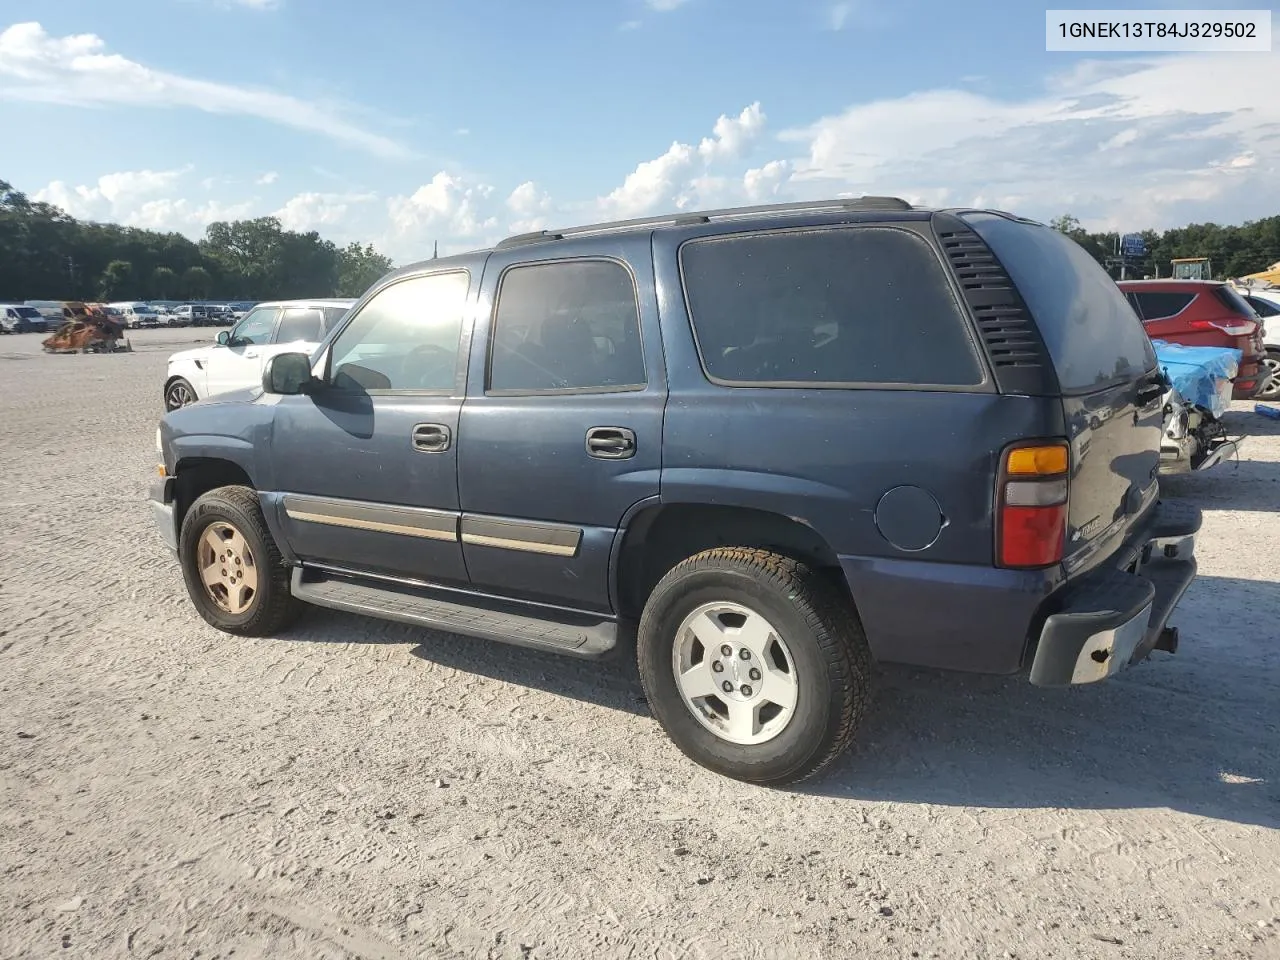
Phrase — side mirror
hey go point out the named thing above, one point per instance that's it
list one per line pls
(224, 338)
(287, 374)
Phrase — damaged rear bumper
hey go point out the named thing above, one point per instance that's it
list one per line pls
(1116, 615)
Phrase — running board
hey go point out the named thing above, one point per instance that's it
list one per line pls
(580, 635)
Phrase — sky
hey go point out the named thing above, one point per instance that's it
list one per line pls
(404, 124)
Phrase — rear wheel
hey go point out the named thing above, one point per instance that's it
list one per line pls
(1271, 363)
(178, 393)
(755, 664)
(233, 570)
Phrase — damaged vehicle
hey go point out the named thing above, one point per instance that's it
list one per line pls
(1199, 393)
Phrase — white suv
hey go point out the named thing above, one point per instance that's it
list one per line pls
(236, 359)
(1266, 304)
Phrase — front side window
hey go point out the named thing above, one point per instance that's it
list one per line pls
(867, 305)
(301, 323)
(254, 329)
(405, 337)
(573, 325)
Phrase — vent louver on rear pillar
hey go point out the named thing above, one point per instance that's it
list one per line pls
(1009, 335)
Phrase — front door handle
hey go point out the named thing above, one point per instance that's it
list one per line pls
(611, 443)
(431, 437)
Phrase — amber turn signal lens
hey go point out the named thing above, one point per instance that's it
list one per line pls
(160, 471)
(1046, 461)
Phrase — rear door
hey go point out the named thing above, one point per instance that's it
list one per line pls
(1107, 372)
(561, 431)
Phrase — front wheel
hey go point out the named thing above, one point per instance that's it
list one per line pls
(755, 664)
(233, 570)
(178, 393)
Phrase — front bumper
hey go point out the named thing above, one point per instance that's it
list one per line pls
(1115, 616)
(161, 498)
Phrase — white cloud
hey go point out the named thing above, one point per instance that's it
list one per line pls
(115, 197)
(679, 177)
(662, 6)
(1117, 143)
(763, 183)
(267, 178)
(256, 4)
(530, 206)
(629, 25)
(450, 207)
(317, 211)
(838, 15)
(76, 70)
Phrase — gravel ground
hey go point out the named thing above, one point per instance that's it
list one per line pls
(363, 789)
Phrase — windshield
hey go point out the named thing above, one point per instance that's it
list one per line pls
(26, 311)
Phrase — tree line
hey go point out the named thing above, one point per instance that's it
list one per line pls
(45, 254)
(1233, 251)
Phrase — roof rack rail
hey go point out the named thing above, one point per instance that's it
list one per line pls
(707, 216)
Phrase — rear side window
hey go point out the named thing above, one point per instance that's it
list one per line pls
(332, 315)
(1092, 333)
(573, 325)
(1234, 302)
(1263, 308)
(836, 307)
(300, 323)
(1160, 306)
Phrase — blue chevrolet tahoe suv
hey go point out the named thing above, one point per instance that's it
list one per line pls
(769, 445)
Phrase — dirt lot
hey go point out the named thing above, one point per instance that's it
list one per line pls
(361, 789)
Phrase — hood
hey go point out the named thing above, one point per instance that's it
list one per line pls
(196, 353)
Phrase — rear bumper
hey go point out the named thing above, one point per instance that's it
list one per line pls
(1116, 615)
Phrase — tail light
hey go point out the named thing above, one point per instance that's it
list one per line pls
(1232, 328)
(1031, 517)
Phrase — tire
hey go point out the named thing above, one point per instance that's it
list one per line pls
(1271, 362)
(271, 606)
(821, 640)
(179, 393)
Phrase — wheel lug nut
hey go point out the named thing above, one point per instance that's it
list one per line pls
(754, 674)
(224, 573)
(746, 689)
(727, 686)
(717, 666)
(727, 650)
(744, 653)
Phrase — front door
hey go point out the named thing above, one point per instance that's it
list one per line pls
(238, 364)
(365, 466)
(561, 432)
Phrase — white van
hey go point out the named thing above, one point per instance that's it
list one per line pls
(137, 314)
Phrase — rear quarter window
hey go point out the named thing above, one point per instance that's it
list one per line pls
(1093, 335)
(1160, 306)
(826, 307)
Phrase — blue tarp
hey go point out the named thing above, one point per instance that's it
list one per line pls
(1202, 375)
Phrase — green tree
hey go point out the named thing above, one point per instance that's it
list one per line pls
(117, 280)
(163, 282)
(359, 268)
(196, 282)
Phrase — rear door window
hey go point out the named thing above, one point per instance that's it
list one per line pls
(300, 323)
(826, 307)
(571, 325)
(1092, 333)
(1161, 306)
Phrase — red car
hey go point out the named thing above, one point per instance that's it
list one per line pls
(1203, 313)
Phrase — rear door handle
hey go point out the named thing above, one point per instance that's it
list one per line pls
(611, 443)
(431, 437)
